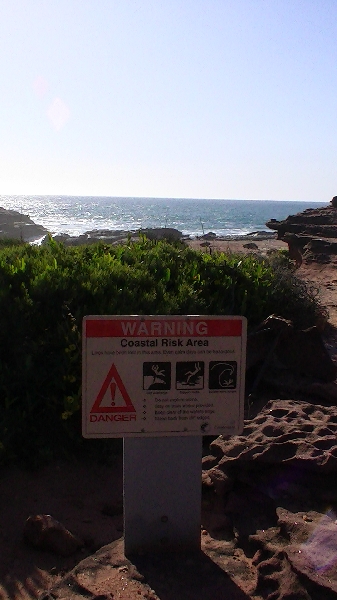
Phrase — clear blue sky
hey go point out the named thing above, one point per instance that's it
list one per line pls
(169, 98)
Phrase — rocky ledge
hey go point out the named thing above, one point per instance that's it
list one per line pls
(272, 493)
(310, 235)
(120, 236)
(14, 225)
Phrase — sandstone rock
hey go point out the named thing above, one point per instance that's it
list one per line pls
(208, 462)
(311, 233)
(277, 581)
(297, 527)
(302, 544)
(284, 433)
(206, 480)
(250, 510)
(222, 484)
(313, 221)
(321, 246)
(46, 533)
(319, 250)
(316, 558)
(283, 465)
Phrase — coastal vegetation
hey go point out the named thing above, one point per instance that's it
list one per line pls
(45, 291)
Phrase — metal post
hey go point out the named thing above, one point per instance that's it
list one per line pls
(162, 493)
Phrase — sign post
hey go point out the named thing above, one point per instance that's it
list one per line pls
(162, 493)
(162, 382)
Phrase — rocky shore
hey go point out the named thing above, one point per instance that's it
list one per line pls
(15, 225)
(310, 235)
(269, 496)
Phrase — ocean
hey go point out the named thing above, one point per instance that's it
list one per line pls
(75, 215)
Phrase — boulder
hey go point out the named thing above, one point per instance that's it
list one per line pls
(162, 233)
(46, 533)
(208, 236)
(320, 245)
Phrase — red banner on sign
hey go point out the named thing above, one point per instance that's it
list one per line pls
(152, 327)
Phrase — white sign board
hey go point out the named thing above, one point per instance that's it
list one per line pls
(163, 375)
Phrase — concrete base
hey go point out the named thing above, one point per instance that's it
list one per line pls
(162, 494)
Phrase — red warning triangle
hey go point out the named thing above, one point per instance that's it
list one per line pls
(113, 381)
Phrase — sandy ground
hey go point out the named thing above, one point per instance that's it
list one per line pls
(87, 498)
(238, 246)
(322, 275)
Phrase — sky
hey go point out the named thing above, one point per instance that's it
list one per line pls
(169, 98)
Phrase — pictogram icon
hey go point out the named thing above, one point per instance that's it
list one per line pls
(222, 375)
(190, 375)
(156, 376)
(113, 397)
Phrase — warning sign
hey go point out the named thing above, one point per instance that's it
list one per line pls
(112, 396)
(165, 375)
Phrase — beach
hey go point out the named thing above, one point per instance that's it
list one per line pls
(239, 246)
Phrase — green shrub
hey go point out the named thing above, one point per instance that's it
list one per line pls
(46, 291)
(11, 242)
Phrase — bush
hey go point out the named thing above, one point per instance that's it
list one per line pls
(46, 291)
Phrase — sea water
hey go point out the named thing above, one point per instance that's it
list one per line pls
(77, 214)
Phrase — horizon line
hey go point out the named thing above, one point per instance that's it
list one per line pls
(161, 198)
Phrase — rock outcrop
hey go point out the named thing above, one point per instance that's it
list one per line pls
(276, 491)
(117, 236)
(14, 225)
(293, 361)
(46, 533)
(311, 234)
